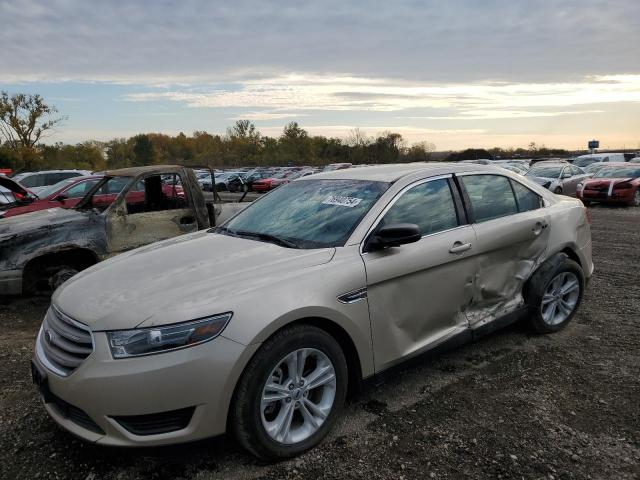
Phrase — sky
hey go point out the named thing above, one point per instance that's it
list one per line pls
(457, 73)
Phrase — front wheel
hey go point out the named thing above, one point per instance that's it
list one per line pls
(557, 190)
(636, 199)
(290, 394)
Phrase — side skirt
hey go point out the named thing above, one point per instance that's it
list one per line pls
(462, 338)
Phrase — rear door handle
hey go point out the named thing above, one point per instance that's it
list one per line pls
(459, 247)
(538, 227)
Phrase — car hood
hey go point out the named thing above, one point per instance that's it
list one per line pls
(187, 277)
(598, 182)
(48, 220)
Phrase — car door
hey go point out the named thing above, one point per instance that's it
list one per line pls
(156, 213)
(418, 292)
(512, 225)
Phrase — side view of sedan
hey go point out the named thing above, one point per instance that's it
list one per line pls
(259, 327)
(558, 177)
(616, 184)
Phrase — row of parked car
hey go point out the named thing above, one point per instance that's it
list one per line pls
(258, 179)
(604, 178)
(612, 178)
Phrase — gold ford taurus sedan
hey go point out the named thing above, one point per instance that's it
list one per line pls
(261, 325)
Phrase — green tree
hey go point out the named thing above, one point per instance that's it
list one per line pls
(142, 150)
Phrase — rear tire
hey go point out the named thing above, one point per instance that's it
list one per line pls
(586, 203)
(557, 191)
(554, 293)
(256, 415)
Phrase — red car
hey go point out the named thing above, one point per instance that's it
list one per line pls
(615, 184)
(69, 192)
(266, 184)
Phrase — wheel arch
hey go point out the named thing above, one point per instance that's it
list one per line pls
(74, 256)
(337, 332)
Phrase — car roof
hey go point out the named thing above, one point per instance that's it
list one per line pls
(395, 171)
(135, 171)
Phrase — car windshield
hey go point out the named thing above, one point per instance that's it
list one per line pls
(547, 171)
(46, 191)
(308, 213)
(627, 172)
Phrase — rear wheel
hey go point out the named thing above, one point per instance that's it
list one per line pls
(557, 190)
(290, 394)
(586, 202)
(554, 293)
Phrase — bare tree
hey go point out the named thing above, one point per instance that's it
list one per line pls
(357, 138)
(25, 118)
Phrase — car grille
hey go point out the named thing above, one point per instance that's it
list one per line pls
(64, 343)
(156, 423)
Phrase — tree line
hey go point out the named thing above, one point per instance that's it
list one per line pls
(27, 119)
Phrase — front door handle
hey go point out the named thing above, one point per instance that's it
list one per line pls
(459, 247)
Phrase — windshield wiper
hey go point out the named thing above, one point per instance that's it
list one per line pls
(267, 237)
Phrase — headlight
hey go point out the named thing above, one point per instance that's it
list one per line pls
(145, 341)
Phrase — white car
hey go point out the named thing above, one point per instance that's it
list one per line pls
(36, 181)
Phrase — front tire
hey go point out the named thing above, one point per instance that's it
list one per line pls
(554, 293)
(290, 394)
(636, 199)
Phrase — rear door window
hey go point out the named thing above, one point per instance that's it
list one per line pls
(491, 196)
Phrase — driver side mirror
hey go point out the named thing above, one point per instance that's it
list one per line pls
(61, 198)
(393, 236)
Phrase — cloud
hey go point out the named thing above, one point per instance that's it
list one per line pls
(285, 95)
(143, 42)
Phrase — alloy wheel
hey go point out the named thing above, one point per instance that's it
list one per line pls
(298, 396)
(561, 298)
(636, 198)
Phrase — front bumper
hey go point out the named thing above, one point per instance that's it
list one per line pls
(199, 379)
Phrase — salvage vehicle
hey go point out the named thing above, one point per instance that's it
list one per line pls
(12, 194)
(125, 209)
(559, 177)
(65, 194)
(615, 184)
(260, 326)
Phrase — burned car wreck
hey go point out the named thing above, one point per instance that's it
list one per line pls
(126, 209)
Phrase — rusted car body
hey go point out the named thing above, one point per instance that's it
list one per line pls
(40, 250)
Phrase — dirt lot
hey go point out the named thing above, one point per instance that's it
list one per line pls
(513, 405)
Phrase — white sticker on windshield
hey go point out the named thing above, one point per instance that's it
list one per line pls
(341, 201)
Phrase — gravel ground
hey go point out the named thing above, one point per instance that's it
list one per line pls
(512, 405)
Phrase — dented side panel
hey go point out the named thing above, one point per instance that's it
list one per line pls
(418, 293)
(508, 249)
